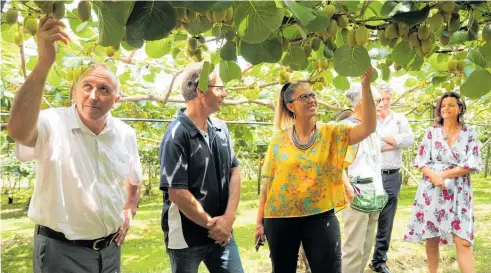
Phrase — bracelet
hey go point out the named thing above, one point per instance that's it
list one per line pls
(259, 226)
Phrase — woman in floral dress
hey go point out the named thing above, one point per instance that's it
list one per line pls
(443, 210)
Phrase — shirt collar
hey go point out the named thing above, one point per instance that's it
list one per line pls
(193, 130)
(387, 118)
(77, 123)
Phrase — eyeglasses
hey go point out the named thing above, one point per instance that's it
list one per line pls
(305, 97)
(220, 88)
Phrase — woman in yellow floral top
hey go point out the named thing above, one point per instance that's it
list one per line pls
(303, 186)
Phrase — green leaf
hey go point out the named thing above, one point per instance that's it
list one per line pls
(351, 61)
(341, 83)
(412, 18)
(304, 14)
(477, 85)
(151, 20)
(410, 82)
(81, 29)
(374, 76)
(32, 62)
(150, 77)
(179, 36)
(54, 77)
(215, 58)
(349, 5)
(295, 55)
(229, 51)
(255, 21)
(320, 22)
(458, 37)
(229, 71)
(416, 63)
(203, 76)
(436, 64)
(385, 71)
(342, 38)
(112, 18)
(268, 51)
(486, 52)
(388, 7)
(157, 49)
(476, 57)
(221, 5)
(8, 32)
(328, 77)
(373, 10)
(197, 6)
(135, 43)
(439, 79)
(300, 66)
(200, 25)
(402, 53)
(126, 76)
(442, 57)
(292, 32)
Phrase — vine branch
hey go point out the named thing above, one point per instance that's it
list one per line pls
(169, 90)
(245, 71)
(267, 103)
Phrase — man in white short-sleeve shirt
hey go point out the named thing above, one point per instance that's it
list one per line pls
(88, 171)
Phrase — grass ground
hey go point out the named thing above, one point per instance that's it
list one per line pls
(144, 247)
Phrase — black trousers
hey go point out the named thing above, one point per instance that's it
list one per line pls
(319, 235)
(392, 185)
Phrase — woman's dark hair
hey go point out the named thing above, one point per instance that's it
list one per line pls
(283, 115)
(460, 102)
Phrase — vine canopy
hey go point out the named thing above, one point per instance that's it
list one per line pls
(442, 43)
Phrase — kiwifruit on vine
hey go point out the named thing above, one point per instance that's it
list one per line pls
(58, 10)
(31, 25)
(444, 37)
(19, 37)
(11, 16)
(83, 11)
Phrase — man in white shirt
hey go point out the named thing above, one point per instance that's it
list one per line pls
(395, 134)
(88, 168)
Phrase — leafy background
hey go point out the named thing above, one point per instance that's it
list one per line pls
(256, 46)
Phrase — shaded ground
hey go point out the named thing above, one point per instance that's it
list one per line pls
(144, 249)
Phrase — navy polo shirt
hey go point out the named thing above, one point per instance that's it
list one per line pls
(187, 161)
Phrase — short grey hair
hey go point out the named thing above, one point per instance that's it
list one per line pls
(384, 87)
(190, 79)
(354, 94)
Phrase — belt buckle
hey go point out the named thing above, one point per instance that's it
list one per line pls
(94, 246)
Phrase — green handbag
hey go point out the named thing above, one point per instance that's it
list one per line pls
(366, 199)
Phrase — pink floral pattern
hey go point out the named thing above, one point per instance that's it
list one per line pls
(437, 212)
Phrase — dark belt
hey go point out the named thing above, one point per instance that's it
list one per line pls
(96, 244)
(387, 172)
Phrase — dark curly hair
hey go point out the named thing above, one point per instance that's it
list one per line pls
(460, 102)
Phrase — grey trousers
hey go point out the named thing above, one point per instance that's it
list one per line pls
(51, 255)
